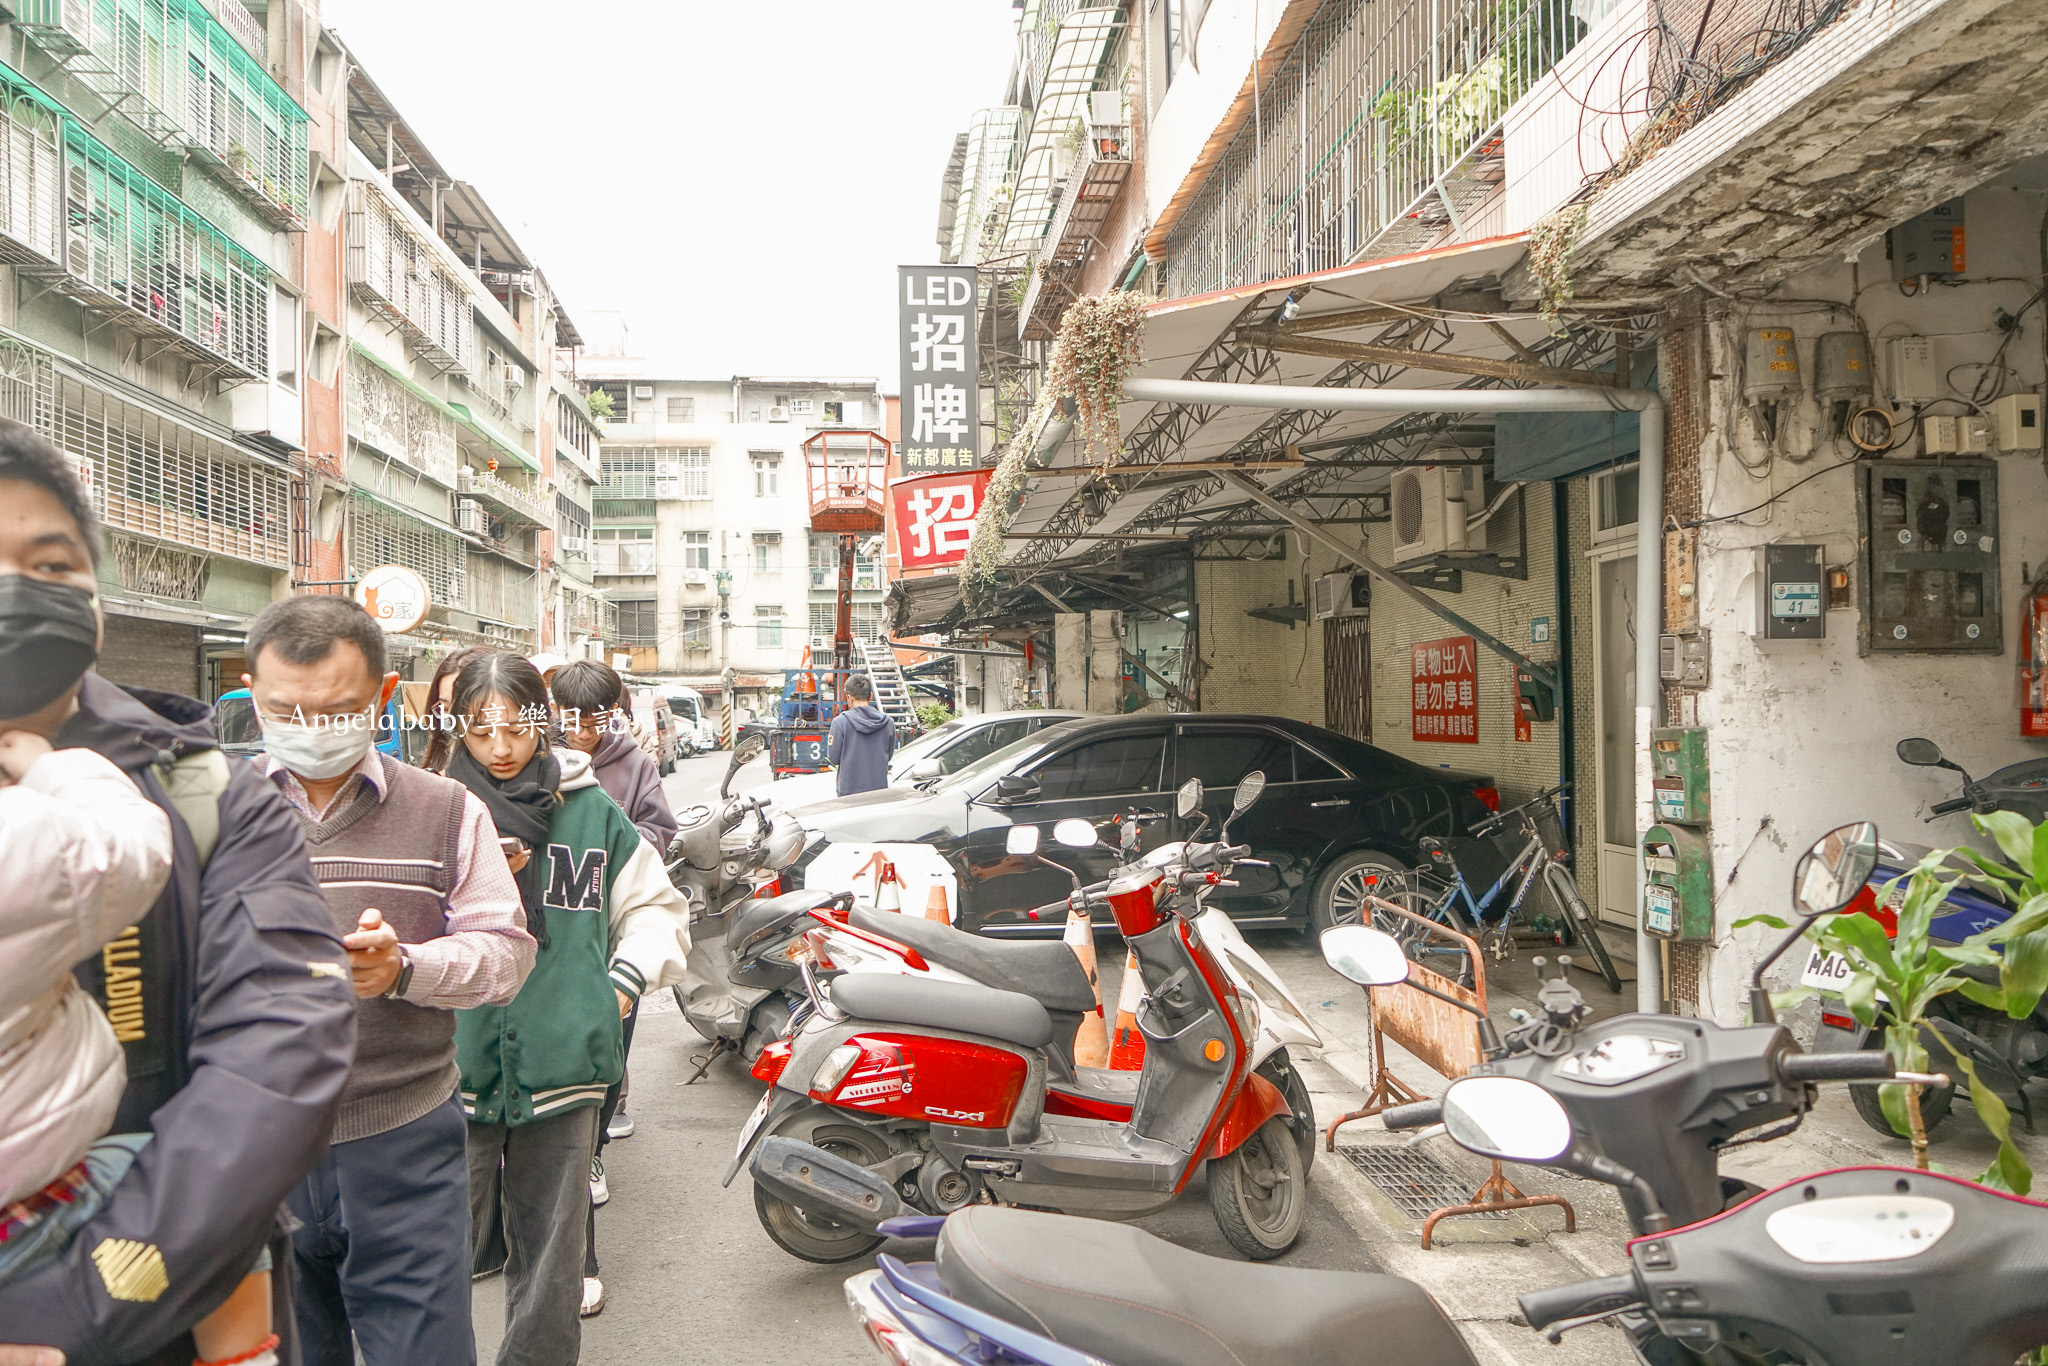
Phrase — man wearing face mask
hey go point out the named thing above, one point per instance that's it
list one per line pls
(230, 996)
(419, 888)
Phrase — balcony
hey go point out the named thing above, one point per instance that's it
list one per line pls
(1101, 166)
(188, 84)
(1071, 48)
(508, 498)
(397, 272)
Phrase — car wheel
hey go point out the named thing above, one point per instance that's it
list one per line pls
(1339, 896)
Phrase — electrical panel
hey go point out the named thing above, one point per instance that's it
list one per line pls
(1770, 366)
(1841, 367)
(1931, 244)
(2019, 422)
(1678, 883)
(1912, 372)
(1683, 660)
(1678, 774)
(1790, 592)
(1930, 557)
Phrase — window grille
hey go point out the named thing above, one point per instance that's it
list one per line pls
(867, 622)
(500, 591)
(624, 550)
(381, 534)
(31, 180)
(160, 570)
(635, 472)
(132, 244)
(383, 413)
(28, 386)
(571, 517)
(160, 478)
(768, 627)
(696, 628)
(393, 267)
(627, 474)
(682, 409)
(639, 622)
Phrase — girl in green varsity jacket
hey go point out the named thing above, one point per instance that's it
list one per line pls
(610, 927)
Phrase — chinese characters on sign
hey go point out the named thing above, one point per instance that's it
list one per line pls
(935, 516)
(941, 372)
(1446, 702)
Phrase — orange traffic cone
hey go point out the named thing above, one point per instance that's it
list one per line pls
(1127, 1044)
(888, 888)
(1091, 1040)
(935, 907)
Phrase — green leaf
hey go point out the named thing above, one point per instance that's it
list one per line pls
(2024, 974)
(1785, 1000)
(1860, 995)
(1984, 994)
(1977, 955)
(1903, 1043)
(1773, 921)
(1863, 938)
(2015, 836)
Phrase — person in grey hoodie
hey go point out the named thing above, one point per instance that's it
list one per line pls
(591, 702)
(862, 740)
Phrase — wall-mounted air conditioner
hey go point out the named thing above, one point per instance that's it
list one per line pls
(643, 391)
(696, 578)
(821, 642)
(469, 516)
(515, 378)
(576, 546)
(778, 414)
(1429, 509)
(1343, 595)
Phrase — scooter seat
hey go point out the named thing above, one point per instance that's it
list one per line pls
(1046, 971)
(892, 998)
(775, 913)
(1137, 1300)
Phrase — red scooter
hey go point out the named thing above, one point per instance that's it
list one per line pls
(902, 1095)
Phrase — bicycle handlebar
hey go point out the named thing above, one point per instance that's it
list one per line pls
(1499, 818)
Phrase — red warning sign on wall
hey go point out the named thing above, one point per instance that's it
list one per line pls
(1446, 701)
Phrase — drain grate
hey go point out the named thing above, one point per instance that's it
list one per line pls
(1412, 1179)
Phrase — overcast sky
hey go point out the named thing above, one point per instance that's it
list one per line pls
(739, 179)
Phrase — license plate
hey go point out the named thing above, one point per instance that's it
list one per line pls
(754, 1121)
(1828, 971)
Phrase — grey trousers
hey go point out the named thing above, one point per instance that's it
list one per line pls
(535, 1179)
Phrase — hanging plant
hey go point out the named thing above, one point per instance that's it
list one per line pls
(1100, 338)
(1550, 247)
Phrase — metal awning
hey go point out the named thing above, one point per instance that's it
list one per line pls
(1428, 320)
(918, 606)
(1074, 72)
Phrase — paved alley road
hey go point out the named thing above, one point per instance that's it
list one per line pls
(691, 1276)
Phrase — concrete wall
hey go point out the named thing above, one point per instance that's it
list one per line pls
(1255, 665)
(1802, 735)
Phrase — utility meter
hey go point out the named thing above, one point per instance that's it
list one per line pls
(1678, 774)
(1678, 883)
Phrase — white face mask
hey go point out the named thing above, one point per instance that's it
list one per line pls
(320, 752)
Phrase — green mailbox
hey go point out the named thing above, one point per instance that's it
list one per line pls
(1678, 774)
(1678, 883)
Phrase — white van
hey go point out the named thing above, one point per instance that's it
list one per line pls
(694, 715)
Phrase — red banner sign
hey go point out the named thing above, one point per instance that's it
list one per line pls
(935, 516)
(1446, 703)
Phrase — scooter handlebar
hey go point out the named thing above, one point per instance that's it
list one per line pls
(1545, 1307)
(1862, 1066)
(1945, 808)
(1419, 1115)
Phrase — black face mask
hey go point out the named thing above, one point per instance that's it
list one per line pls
(49, 637)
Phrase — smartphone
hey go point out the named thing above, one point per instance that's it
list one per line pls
(510, 845)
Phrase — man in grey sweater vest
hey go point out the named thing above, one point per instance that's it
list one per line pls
(421, 893)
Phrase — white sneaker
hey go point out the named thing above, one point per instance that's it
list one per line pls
(621, 1125)
(599, 1194)
(593, 1298)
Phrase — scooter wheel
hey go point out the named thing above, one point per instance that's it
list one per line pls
(1934, 1107)
(814, 1237)
(1259, 1193)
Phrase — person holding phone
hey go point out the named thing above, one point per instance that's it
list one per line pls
(421, 892)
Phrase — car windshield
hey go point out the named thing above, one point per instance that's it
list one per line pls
(931, 742)
(234, 721)
(1002, 761)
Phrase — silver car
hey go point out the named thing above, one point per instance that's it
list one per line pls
(934, 754)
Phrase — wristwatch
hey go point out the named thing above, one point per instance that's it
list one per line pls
(404, 975)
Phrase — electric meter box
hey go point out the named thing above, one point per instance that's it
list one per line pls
(1931, 244)
(1678, 774)
(1678, 883)
(1930, 557)
(1791, 588)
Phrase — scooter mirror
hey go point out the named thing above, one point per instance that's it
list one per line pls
(1021, 841)
(1127, 838)
(1248, 789)
(744, 752)
(1369, 957)
(1507, 1118)
(1075, 833)
(1830, 874)
(1919, 751)
(1190, 798)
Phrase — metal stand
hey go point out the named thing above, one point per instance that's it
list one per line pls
(704, 1063)
(1388, 1091)
(1498, 1193)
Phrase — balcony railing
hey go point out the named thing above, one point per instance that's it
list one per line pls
(383, 413)
(393, 269)
(187, 82)
(506, 496)
(122, 245)
(1101, 166)
(1381, 133)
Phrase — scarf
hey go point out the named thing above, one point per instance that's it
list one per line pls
(523, 807)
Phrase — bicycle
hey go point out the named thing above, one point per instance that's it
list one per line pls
(1540, 860)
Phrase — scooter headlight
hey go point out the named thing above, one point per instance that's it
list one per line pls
(1619, 1058)
(833, 1070)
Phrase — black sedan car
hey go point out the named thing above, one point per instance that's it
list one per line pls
(1335, 814)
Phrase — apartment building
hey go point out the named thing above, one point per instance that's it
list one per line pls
(702, 535)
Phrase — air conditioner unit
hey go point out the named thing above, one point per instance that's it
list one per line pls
(696, 578)
(1429, 510)
(579, 546)
(821, 642)
(778, 414)
(469, 516)
(643, 391)
(1343, 595)
(515, 378)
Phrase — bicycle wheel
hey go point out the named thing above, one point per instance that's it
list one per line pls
(1418, 897)
(1585, 929)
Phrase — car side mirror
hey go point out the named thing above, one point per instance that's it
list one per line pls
(924, 768)
(1189, 800)
(1011, 788)
(1022, 841)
